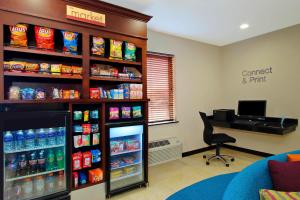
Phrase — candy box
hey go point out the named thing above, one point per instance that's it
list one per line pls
(95, 175)
(96, 155)
(87, 159)
(77, 161)
(82, 178)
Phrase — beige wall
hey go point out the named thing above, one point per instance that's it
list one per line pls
(197, 86)
(281, 51)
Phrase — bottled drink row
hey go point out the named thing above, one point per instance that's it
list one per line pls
(32, 162)
(33, 138)
(37, 186)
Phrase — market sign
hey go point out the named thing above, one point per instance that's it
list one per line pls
(86, 16)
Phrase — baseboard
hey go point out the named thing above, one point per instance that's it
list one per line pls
(250, 151)
(189, 153)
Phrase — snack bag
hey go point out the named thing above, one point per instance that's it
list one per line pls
(115, 49)
(86, 140)
(32, 67)
(76, 94)
(7, 66)
(137, 111)
(27, 94)
(86, 115)
(94, 114)
(18, 35)
(130, 50)
(94, 93)
(66, 94)
(45, 68)
(17, 66)
(113, 113)
(86, 129)
(96, 155)
(82, 178)
(77, 141)
(98, 46)
(40, 94)
(65, 69)
(126, 112)
(77, 128)
(77, 115)
(14, 93)
(87, 159)
(44, 37)
(55, 69)
(70, 41)
(96, 138)
(75, 179)
(77, 161)
(95, 128)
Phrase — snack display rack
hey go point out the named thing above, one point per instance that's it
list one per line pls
(121, 24)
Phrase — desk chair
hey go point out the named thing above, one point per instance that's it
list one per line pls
(217, 139)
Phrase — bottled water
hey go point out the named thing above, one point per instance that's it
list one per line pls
(51, 136)
(41, 137)
(8, 141)
(60, 138)
(29, 139)
(20, 140)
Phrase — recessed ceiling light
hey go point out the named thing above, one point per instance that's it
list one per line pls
(244, 26)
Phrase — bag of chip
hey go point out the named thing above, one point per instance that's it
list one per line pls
(115, 49)
(55, 69)
(113, 113)
(76, 70)
(65, 69)
(14, 93)
(40, 94)
(98, 46)
(66, 94)
(70, 41)
(94, 93)
(137, 112)
(18, 35)
(45, 68)
(7, 66)
(44, 37)
(126, 112)
(32, 67)
(17, 66)
(130, 50)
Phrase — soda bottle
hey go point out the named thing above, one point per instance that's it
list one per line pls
(20, 139)
(41, 161)
(50, 163)
(60, 180)
(51, 136)
(11, 166)
(60, 138)
(39, 185)
(29, 139)
(60, 159)
(50, 183)
(41, 137)
(32, 162)
(8, 141)
(22, 165)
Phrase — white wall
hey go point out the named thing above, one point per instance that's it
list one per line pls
(197, 86)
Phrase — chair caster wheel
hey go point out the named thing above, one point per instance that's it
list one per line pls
(204, 156)
(232, 160)
(227, 165)
(207, 163)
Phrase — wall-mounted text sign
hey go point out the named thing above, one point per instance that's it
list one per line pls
(256, 76)
(86, 16)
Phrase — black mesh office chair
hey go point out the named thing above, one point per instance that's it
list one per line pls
(217, 139)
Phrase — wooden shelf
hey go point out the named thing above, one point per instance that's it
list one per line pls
(41, 52)
(86, 185)
(99, 78)
(37, 75)
(95, 58)
(74, 101)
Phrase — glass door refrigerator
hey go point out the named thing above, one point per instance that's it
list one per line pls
(34, 155)
(126, 157)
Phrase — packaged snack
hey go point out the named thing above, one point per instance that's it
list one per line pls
(94, 114)
(98, 46)
(137, 112)
(115, 163)
(27, 94)
(126, 112)
(116, 173)
(86, 129)
(96, 138)
(82, 178)
(44, 37)
(129, 159)
(86, 115)
(75, 179)
(113, 113)
(77, 141)
(65, 69)
(95, 175)
(94, 93)
(45, 68)
(77, 115)
(87, 159)
(72, 94)
(130, 50)
(40, 94)
(126, 90)
(32, 67)
(96, 155)
(17, 66)
(115, 49)
(76, 94)
(55, 69)
(14, 93)
(76, 70)
(66, 94)
(77, 161)
(70, 41)
(86, 140)
(18, 35)
(95, 128)
(77, 129)
(6, 66)
(117, 146)
(56, 93)
(130, 170)
(132, 145)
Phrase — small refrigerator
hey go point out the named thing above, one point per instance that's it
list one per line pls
(126, 164)
(34, 155)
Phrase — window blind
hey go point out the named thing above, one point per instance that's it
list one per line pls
(160, 87)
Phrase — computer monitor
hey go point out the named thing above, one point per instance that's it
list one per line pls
(253, 108)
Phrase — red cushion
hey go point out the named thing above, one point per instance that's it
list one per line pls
(285, 175)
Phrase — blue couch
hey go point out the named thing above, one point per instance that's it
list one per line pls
(244, 185)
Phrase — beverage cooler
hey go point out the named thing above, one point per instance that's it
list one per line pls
(126, 167)
(34, 146)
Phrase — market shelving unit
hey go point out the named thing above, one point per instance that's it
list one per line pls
(121, 24)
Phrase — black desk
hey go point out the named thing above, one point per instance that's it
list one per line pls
(269, 125)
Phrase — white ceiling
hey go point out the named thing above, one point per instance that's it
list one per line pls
(216, 21)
